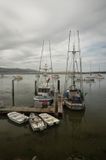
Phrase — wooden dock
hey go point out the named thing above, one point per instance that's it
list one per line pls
(28, 109)
(56, 108)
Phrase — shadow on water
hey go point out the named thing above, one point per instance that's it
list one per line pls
(73, 121)
(24, 125)
(77, 148)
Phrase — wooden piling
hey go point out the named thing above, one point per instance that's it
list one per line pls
(13, 101)
(58, 86)
(56, 102)
(35, 87)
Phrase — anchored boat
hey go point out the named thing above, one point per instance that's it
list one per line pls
(73, 95)
(99, 76)
(17, 117)
(36, 123)
(50, 120)
(45, 83)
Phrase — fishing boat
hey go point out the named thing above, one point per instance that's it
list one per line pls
(45, 100)
(89, 79)
(99, 76)
(73, 94)
(17, 117)
(36, 123)
(18, 77)
(55, 76)
(50, 120)
(45, 92)
(45, 84)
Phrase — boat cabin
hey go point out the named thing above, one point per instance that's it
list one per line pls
(43, 90)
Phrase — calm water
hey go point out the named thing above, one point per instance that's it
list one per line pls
(79, 135)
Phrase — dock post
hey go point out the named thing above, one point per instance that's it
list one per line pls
(35, 87)
(13, 102)
(58, 86)
(56, 102)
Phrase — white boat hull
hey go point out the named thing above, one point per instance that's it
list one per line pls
(17, 117)
(42, 100)
(74, 106)
(36, 123)
(50, 120)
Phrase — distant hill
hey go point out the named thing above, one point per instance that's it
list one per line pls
(17, 71)
(32, 71)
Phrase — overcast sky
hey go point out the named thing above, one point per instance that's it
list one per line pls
(24, 24)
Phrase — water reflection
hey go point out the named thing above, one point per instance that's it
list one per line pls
(74, 117)
(80, 135)
(24, 125)
(74, 121)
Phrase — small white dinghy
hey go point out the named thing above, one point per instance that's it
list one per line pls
(50, 120)
(17, 117)
(36, 123)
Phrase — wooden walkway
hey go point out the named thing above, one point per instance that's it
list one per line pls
(55, 109)
(27, 109)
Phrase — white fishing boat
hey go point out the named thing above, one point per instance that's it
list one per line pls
(18, 77)
(50, 120)
(44, 89)
(73, 95)
(44, 100)
(36, 123)
(89, 78)
(55, 76)
(99, 76)
(17, 117)
(74, 100)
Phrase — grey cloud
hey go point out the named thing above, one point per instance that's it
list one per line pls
(24, 24)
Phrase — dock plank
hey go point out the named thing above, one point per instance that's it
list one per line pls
(27, 109)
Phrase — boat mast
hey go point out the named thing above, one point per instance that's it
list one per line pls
(81, 78)
(73, 74)
(51, 63)
(73, 51)
(44, 70)
(40, 60)
(67, 60)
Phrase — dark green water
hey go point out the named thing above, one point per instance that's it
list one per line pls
(79, 135)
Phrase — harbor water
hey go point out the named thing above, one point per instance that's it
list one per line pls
(79, 136)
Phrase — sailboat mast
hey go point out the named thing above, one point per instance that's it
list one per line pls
(51, 63)
(40, 60)
(73, 77)
(81, 78)
(67, 60)
(73, 52)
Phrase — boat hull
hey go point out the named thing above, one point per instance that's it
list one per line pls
(43, 101)
(36, 123)
(50, 120)
(17, 117)
(74, 106)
